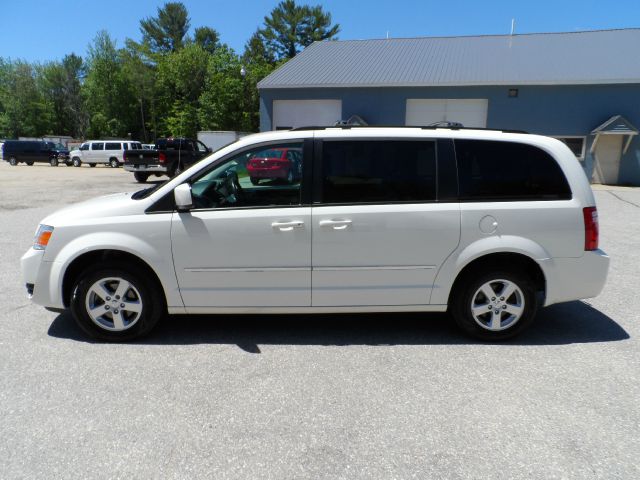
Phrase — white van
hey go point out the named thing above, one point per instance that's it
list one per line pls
(487, 225)
(106, 152)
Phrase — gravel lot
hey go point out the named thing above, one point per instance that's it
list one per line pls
(360, 396)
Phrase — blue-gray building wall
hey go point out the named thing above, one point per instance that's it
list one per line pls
(548, 110)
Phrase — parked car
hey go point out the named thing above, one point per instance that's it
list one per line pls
(170, 157)
(29, 152)
(275, 164)
(106, 152)
(62, 153)
(487, 225)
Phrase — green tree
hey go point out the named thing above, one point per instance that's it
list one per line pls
(25, 110)
(110, 99)
(167, 31)
(181, 79)
(207, 38)
(291, 27)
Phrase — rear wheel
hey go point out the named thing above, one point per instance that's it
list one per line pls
(113, 163)
(140, 176)
(53, 162)
(113, 304)
(76, 162)
(494, 306)
(13, 162)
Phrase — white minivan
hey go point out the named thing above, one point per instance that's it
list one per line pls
(487, 225)
(106, 152)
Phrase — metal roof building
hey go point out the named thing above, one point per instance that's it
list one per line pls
(558, 84)
(532, 59)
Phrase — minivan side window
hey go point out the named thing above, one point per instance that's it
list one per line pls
(260, 177)
(378, 171)
(508, 171)
(113, 146)
(97, 146)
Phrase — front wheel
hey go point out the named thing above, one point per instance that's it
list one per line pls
(113, 163)
(141, 177)
(494, 306)
(76, 162)
(113, 304)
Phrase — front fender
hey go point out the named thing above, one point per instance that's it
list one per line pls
(158, 258)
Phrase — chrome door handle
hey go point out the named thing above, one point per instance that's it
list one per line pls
(287, 226)
(336, 224)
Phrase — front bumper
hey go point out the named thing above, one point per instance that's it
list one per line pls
(40, 278)
(571, 279)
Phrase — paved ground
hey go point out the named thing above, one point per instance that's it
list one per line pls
(371, 396)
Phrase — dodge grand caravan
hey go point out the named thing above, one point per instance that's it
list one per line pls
(487, 225)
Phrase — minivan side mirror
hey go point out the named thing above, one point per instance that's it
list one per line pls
(183, 198)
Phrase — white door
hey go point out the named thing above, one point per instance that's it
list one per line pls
(304, 113)
(608, 153)
(426, 111)
(385, 237)
(243, 245)
(96, 153)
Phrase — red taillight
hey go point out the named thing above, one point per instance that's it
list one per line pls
(162, 157)
(590, 228)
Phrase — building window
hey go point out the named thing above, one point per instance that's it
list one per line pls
(575, 144)
(513, 92)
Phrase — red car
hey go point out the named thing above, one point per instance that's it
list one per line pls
(275, 164)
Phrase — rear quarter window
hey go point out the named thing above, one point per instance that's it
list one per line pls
(508, 171)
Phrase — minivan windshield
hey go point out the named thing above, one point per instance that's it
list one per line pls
(145, 192)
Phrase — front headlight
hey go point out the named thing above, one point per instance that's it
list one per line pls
(43, 235)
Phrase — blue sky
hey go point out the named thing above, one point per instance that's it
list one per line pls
(49, 29)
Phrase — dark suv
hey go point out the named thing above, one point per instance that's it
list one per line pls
(29, 152)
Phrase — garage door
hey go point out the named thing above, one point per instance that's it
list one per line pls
(304, 113)
(469, 112)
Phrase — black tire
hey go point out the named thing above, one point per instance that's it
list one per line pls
(468, 293)
(141, 177)
(30, 163)
(76, 162)
(68, 163)
(254, 180)
(92, 165)
(53, 162)
(13, 162)
(152, 310)
(113, 163)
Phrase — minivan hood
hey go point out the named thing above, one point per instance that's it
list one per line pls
(113, 205)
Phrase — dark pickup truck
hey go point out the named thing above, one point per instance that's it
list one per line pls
(169, 157)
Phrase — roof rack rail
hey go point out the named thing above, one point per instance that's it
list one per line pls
(423, 127)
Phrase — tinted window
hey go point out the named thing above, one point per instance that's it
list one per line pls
(378, 171)
(113, 146)
(502, 171)
(97, 146)
(250, 179)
